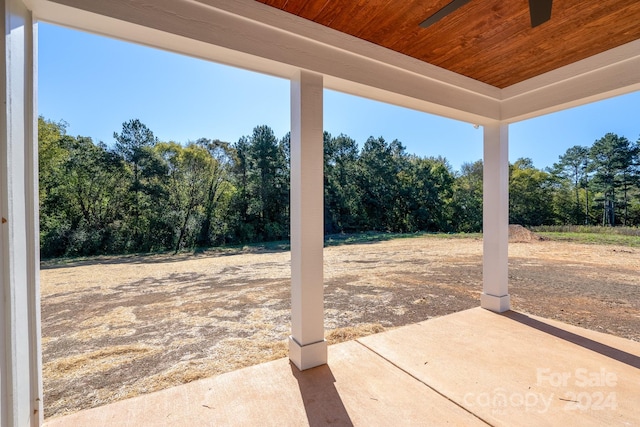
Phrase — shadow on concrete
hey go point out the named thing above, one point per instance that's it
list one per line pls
(598, 347)
(321, 399)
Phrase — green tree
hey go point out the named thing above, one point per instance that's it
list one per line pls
(341, 195)
(377, 176)
(55, 225)
(188, 175)
(147, 222)
(634, 204)
(243, 228)
(262, 186)
(467, 198)
(530, 194)
(51, 154)
(134, 144)
(572, 166)
(214, 226)
(613, 160)
(426, 185)
(81, 194)
(95, 197)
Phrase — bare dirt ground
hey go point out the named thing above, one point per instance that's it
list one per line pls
(114, 328)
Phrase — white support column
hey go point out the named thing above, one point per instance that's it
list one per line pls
(307, 347)
(495, 218)
(20, 360)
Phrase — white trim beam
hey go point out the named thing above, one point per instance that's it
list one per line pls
(256, 40)
(253, 36)
(611, 73)
(307, 346)
(495, 219)
(20, 380)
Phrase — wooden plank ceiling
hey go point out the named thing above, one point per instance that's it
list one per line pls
(488, 40)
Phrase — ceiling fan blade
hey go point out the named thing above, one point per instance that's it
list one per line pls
(540, 11)
(449, 8)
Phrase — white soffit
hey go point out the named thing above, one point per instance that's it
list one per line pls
(253, 36)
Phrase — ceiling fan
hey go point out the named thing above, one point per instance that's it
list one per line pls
(539, 10)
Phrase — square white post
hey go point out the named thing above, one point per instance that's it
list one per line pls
(307, 346)
(495, 219)
(20, 360)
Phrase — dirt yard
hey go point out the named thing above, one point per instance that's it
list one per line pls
(114, 328)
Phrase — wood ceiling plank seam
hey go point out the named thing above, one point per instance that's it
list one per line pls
(280, 4)
(383, 31)
(412, 20)
(371, 16)
(312, 8)
(325, 6)
(442, 54)
(492, 68)
(329, 12)
(293, 7)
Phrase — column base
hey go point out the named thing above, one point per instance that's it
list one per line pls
(307, 356)
(495, 303)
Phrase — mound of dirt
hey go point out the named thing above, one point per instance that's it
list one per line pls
(519, 234)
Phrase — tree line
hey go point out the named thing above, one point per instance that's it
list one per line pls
(142, 194)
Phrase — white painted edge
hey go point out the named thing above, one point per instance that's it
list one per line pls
(20, 324)
(569, 72)
(611, 73)
(33, 236)
(5, 245)
(308, 356)
(498, 304)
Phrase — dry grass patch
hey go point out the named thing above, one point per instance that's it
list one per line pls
(229, 355)
(96, 361)
(350, 333)
(117, 328)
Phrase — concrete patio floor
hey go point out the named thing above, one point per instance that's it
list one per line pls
(470, 368)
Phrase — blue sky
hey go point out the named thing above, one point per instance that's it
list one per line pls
(95, 84)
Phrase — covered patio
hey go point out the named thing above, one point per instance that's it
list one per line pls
(484, 63)
(469, 368)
